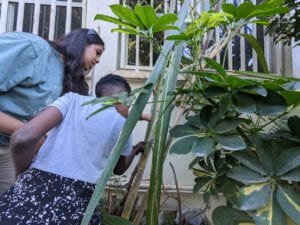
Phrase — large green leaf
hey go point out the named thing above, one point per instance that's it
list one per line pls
(227, 125)
(293, 175)
(272, 104)
(146, 14)
(291, 97)
(113, 20)
(224, 215)
(293, 123)
(205, 115)
(203, 146)
(244, 103)
(231, 142)
(114, 220)
(183, 145)
(164, 21)
(243, 10)
(255, 90)
(269, 215)
(125, 31)
(266, 156)
(200, 183)
(214, 91)
(237, 82)
(126, 14)
(229, 8)
(250, 161)
(215, 65)
(183, 130)
(195, 121)
(288, 160)
(245, 175)
(259, 51)
(254, 196)
(289, 201)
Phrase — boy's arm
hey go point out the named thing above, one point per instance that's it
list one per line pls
(9, 124)
(25, 140)
(124, 111)
(125, 161)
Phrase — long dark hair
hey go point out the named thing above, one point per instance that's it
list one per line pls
(72, 46)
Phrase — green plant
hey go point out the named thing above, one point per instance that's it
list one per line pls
(227, 114)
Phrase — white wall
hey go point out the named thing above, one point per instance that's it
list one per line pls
(296, 62)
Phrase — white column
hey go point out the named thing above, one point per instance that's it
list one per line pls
(3, 19)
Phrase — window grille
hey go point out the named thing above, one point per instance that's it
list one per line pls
(49, 19)
(136, 54)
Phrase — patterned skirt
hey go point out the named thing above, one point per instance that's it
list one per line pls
(39, 197)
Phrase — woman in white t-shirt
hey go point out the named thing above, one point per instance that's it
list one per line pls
(59, 183)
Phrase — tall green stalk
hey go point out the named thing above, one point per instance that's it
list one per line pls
(131, 121)
(161, 131)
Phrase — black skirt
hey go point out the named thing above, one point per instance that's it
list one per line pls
(39, 197)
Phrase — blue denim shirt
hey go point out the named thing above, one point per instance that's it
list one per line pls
(31, 76)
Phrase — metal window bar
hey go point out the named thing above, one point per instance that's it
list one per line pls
(6, 16)
(237, 52)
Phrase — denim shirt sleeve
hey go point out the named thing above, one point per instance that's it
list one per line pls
(16, 56)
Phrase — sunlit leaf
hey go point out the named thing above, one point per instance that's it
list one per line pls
(146, 14)
(126, 14)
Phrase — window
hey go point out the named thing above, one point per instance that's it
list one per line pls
(49, 19)
(137, 54)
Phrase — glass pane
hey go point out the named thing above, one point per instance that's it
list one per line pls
(0, 10)
(236, 53)
(144, 52)
(248, 49)
(76, 18)
(159, 39)
(76, 0)
(44, 23)
(28, 17)
(60, 21)
(131, 50)
(12, 16)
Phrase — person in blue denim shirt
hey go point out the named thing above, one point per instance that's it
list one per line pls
(34, 73)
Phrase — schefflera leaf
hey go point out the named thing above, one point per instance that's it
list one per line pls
(289, 201)
(225, 215)
(271, 214)
(245, 175)
(251, 197)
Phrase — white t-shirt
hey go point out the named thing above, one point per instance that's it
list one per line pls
(78, 148)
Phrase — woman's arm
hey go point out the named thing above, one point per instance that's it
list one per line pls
(9, 124)
(24, 141)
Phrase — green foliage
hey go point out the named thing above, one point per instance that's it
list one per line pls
(140, 20)
(236, 143)
(233, 123)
